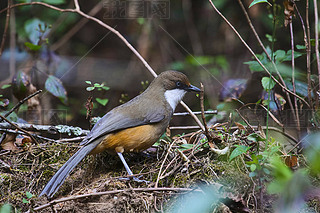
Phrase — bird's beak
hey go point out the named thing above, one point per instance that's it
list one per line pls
(192, 88)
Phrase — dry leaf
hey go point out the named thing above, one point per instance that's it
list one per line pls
(240, 126)
(288, 12)
(8, 142)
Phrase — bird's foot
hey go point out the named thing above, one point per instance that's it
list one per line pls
(137, 179)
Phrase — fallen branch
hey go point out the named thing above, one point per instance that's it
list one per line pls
(17, 127)
(53, 202)
(59, 129)
(117, 33)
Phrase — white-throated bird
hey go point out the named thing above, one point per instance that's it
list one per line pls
(131, 127)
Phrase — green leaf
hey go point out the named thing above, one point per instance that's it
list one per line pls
(55, 87)
(25, 200)
(54, 2)
(300, 47)
(301, 87)
(5, 86)
(88, 82)
(141, 21)
(32, 47)
(289, 55)
(102, 101)
(254, 2)
(269, 37)
(240, 149)
(90, 88)
(252, 174)
(255, 137)
(280, 55)
(29, 195)
(31, 28)
(97, 85)
(6, 208)
(267, 83)
(253, 167)
(254, 66)
(186, 146)
(106, 88)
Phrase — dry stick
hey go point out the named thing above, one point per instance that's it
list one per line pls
(245, 120)
(22, 130)
(210, 112)
(77, 10)
(306, 38)
(253, 54)
(162, 164)
(293, 78)
(266, 52)
(5, 29)
(316, 20)
(202, 113)
(53, 202)
(21, 102)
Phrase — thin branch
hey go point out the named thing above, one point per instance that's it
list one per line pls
(266, 52)
(162, 164)
(210, 112)
(53, 202)
(17, 127)
(306, 38)
(254, 55)
(5, 28)
(77, 10)
(76, 4)
(21, 102)
(316, 31)
(293, 74)
(202, 113)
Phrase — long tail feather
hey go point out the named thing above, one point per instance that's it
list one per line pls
(57, 180)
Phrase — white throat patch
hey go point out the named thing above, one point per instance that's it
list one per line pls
(174, 96)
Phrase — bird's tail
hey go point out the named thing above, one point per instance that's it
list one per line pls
(56, 181)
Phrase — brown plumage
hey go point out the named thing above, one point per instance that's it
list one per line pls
(131, 127)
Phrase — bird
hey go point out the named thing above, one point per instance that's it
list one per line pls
(131, 127)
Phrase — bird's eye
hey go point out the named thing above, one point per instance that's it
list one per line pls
(178, 84)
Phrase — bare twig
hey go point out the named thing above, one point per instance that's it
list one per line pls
(164, 160)
(53, 202)
(254, 55)
(5, 28)
(21, 102)
(316, 31)
(196, 113)
(17, 127)
(183, 127)
(268, 55)
(202, 113)
(117, 33)
(296, 109)
(60, 129)
(306, 38)
(245, 120)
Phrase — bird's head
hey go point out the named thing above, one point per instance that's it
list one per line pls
(174, 84)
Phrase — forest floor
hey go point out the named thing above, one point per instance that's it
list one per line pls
(184, 174)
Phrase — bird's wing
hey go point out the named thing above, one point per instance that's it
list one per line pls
(115, 120)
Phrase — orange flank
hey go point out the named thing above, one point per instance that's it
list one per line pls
(134, 139)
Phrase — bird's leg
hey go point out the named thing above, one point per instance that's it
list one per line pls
(128, 168)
